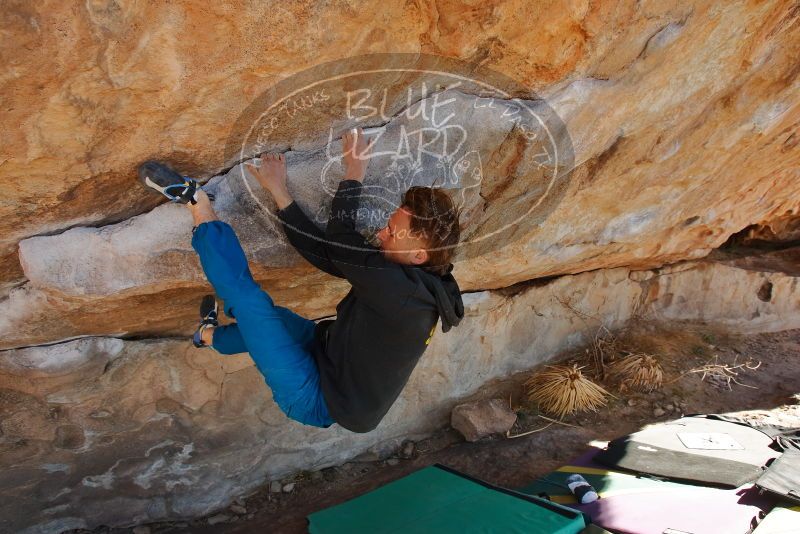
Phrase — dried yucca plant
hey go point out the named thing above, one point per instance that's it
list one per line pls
(604, 349)
(562, 390)
(640, 372)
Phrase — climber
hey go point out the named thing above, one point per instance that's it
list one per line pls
(349, 370)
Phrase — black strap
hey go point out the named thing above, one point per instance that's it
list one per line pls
(188, 193)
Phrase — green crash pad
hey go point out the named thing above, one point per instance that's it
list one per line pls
(438, 499)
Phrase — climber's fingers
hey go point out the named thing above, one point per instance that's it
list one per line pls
(357, 143)
(370, 145)
(347, 142)
(252, 169)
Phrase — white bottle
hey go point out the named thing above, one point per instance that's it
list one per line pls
(582, 490)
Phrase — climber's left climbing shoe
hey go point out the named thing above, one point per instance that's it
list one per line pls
(165, 181)
(208, 317)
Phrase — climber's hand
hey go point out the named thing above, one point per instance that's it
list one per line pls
(355, 151)
(271, 174)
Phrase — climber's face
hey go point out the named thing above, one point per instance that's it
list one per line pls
(398, 243)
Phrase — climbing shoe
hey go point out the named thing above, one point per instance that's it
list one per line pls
(208, 317)
(162, 179)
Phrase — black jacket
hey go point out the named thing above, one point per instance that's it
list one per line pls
(385, 322)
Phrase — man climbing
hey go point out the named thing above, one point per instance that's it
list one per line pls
(349, 370)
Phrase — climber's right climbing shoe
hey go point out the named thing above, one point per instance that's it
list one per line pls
(208, 317)
(165, 181)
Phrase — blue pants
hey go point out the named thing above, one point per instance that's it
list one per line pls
(278, 340)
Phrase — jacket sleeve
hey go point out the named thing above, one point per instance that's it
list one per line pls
(380, 282)
(307, 239)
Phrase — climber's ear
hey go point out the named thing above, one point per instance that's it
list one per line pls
(419, 256)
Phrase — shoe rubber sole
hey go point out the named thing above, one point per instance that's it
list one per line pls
(208, 317)
(165, 181)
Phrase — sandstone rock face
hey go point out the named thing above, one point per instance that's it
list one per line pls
(753, 301)
(105, 431)
(678, 123)
(678, 111)
(782, 229)
(671, 155)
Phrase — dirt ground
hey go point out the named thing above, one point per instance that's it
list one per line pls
(767, 386)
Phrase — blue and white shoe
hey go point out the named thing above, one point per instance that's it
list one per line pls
(165, 181)
(208, 317)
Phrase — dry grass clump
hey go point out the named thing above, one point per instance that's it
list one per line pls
(721, 375)
(604, 347)
(562, 390)
(639, 372)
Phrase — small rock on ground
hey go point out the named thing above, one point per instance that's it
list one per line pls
(237, 509)
(476, 420)
(275, 487)
(658, 412)
(407, 450)
(288, 488)
(392, 461)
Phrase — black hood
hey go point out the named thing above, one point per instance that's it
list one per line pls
(445, 292)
